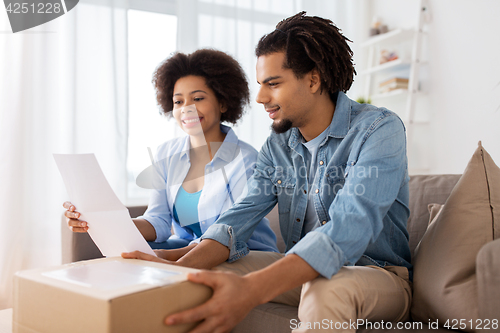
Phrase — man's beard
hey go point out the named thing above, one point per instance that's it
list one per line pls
(281, 126)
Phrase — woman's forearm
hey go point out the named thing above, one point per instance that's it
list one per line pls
(147, 230)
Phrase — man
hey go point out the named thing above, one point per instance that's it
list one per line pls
(338, 171)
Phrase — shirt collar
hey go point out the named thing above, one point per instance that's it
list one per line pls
(338, 127)
(227, 151)
(341, 118)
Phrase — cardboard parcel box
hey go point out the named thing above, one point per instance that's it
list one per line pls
(110, 295)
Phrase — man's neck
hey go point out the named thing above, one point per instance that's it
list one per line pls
(320, 118)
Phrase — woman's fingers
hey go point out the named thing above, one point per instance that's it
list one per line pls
(71, 215)
(69, 206)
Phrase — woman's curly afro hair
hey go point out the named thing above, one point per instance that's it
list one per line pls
(222, 73)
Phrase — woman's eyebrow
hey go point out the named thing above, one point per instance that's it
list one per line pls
(197, 91)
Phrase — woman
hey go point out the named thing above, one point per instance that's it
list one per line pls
(203, 173)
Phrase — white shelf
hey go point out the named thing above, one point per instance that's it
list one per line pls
(391, 93)
(391, 37)
(388, 65)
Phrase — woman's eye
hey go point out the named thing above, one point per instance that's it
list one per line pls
(177, 102)
(197, 99)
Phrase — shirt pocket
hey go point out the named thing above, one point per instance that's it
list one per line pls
(335, 177)
(284, 183)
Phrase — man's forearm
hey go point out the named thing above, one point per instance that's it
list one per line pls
(283, 275)
(206, 255)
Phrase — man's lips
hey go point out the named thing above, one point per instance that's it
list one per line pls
(273, 112)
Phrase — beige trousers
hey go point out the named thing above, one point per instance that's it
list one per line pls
(355, 295)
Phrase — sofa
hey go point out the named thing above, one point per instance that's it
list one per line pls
(276, 318)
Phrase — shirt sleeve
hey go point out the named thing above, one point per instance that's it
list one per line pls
(158, 212)
(236, 225)
(372, 182)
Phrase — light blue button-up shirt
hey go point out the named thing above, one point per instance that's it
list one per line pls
(360, 193)
(225, 181)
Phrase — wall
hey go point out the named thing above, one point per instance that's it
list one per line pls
(462, 81)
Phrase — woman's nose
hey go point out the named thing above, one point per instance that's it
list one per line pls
(188, 108)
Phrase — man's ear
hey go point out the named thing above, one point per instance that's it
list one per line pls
(315, 80)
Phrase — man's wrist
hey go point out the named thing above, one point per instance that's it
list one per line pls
(255, 290)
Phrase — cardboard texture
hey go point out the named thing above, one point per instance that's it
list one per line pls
(109, 295)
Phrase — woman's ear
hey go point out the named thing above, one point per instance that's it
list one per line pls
(315, 80)
(223, 107)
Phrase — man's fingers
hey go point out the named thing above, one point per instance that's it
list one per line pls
(189, 316)
(144, 256)
(207, 278)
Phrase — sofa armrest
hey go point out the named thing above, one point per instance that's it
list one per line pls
(488, 280)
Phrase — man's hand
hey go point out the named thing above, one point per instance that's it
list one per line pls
(233, 298)
(145, 256)
(174, 254)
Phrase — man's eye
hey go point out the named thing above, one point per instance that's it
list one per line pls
(273, 84)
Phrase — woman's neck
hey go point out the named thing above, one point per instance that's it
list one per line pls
(211, 141)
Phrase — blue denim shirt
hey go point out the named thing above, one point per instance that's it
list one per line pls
(225, 180)
(360, 193)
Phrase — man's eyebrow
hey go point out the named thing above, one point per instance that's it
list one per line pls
(192, 92)
(269, 79)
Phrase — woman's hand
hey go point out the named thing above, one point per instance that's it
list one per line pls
(72, 216)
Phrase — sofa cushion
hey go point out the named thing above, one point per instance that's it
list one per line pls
(444, 283)
(424, 190)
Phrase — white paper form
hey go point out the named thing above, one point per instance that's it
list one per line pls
(110, 225)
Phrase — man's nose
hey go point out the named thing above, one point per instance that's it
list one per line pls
(262, 97)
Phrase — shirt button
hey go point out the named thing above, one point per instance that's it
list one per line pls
(323, 223)
(321, 162)
(298, 220)
(279, 181)
(317, 190)
(305, 192)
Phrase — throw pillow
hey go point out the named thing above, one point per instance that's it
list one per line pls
(444, 276)
(434, 210)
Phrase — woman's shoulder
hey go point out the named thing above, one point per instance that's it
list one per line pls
(171, 147)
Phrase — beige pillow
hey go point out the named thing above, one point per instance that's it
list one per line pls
(444, 277)
(434, 210)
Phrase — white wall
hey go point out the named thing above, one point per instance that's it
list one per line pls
(462, 80)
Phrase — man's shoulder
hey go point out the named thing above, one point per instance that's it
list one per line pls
(364, 116)
(248, 151)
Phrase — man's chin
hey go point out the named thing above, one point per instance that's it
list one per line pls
(281, 126)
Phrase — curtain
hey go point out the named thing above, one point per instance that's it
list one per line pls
(63, 89)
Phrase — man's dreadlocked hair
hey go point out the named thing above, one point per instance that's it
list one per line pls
(312, 42)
